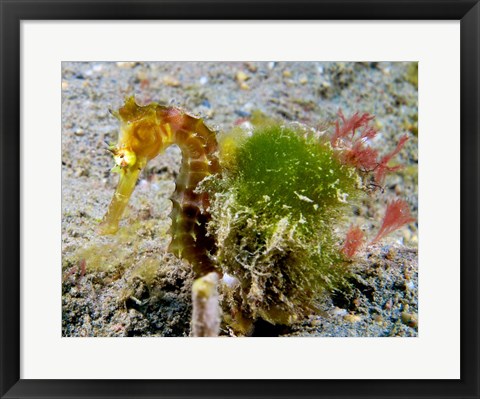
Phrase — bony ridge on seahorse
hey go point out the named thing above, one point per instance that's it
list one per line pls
(145, 132)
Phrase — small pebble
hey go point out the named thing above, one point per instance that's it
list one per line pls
(386, 71)
(241, 76)
(410, 285)
(102, 114)
(170, 81)
(410, 319)
(379, 126)
(339, 312)
(64, 85)
(79, 132)
(408, 274)
(414, 239)
(325, 84)
(303, 80)
(80, 172)
(203, 80)
(248, 106)
(141, 75)
(287, 74)
(389, 304)
(352, 318)
(315, 322)
(390, 255)
(251, 67)
(271, 65)
(127, 64)
(407, 234)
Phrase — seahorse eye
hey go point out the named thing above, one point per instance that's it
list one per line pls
(125, 158)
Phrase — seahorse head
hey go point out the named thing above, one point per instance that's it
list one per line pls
(141, 134)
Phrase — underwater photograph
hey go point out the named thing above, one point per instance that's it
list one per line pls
(239, 199)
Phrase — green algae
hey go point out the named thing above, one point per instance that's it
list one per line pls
(274, 213)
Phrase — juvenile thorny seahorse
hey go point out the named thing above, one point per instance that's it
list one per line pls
(145, 132)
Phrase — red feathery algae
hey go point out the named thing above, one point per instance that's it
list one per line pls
(354, 149)
(396, 216)
(353, 241)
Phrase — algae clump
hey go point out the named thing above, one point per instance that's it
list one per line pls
(274, 212)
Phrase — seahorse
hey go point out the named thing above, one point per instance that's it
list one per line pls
(145, 132)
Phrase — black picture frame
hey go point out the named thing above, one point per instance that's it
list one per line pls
(13, 12)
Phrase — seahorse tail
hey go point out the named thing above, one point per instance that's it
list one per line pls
(189, 236)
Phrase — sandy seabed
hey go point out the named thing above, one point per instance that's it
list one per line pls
(127, 285)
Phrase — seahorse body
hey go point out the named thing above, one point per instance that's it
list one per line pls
(146, 131)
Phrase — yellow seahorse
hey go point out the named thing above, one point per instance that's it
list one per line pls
(145, 132)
